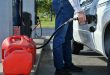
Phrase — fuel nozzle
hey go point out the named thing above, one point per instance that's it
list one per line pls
(89, 19)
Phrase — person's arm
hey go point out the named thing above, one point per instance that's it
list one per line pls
(76, 6)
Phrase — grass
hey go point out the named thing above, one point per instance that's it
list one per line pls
(45, 21)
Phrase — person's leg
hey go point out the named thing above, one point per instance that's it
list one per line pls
(67, 51)
(58, 41)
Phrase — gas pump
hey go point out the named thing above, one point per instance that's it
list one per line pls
(22, 21)
(17, 16)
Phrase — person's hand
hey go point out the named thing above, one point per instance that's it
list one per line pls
(81, 17)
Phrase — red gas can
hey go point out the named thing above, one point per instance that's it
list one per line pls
(12, 40)
(33, 44)
(18, 62)
(22, 41)
(30, 40)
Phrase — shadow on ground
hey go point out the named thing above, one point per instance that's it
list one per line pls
(90, 61)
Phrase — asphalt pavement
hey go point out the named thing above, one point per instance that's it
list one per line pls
(91, 62)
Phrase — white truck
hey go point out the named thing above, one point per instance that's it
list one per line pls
(96, 35)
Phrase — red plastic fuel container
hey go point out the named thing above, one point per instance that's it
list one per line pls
(22, 41)
(30, 40)
(18, 62)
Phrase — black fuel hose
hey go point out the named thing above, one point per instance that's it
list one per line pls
(71, 19)
(89, 19)
(39, 24)
(40, 35)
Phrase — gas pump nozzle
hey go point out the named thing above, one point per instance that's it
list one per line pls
(89, 19)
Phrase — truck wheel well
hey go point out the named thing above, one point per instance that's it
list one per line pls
(107, 39)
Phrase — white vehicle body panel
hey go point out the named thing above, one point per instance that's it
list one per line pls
(95, 40)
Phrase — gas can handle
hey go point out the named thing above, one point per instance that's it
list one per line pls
(21, 38)
(15, 38)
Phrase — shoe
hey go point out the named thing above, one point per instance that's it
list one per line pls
(74, 68)
(62, 72)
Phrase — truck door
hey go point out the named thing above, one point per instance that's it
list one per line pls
(84, 33)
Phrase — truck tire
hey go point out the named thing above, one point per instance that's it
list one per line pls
(107, 47)
(108, 65)
(77, 47)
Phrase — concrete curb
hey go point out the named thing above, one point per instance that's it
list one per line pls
(38, 56)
